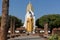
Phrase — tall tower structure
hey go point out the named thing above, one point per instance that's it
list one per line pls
(29, 19)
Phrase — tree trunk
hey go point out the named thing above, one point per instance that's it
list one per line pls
(4, 20)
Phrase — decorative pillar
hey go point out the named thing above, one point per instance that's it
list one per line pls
(12, 27)
(45, 29)
(11, 24)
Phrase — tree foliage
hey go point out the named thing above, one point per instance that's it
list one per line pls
(52, 19)
(18, 22)
(0, 21)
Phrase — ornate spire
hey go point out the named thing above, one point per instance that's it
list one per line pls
(29, 7)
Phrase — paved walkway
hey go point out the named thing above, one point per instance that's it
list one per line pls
(27, 38)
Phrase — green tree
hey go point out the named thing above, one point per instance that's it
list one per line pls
(53, 20)
(53, 37)
(0, 21)
(18, 22)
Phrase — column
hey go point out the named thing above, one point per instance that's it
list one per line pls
(45, 29)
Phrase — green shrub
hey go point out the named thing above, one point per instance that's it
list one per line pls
(53, 37)
(58, 37)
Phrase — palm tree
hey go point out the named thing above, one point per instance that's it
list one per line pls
(4, 20)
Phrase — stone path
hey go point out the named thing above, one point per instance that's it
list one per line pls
(27, 38)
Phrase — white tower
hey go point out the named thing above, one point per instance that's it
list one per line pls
(29, 23)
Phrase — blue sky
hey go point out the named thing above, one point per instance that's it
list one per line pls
(41, 7)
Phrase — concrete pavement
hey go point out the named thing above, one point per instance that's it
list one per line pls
(28, 38)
